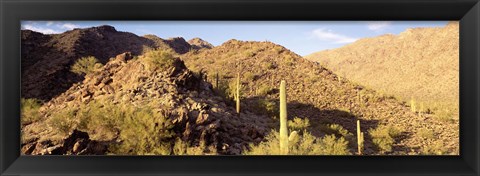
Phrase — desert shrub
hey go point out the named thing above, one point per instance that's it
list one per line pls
(225, 91)
(180, 147)
(249, 53)
(336, 130)
(289, 60)
(384, 137)
(307, 144)
(29, 110)
(145, 132)
(157, 59)
(63, 121)
(298, 124)
(184, 148)
(85, 65)
(278, 49)
(249, 76)
(268, 65)
(141, 130)
(264, 90)
(435, 148)
(103, 116)
(444, 115)
(264, 106)
(334, 146)
(426, 133)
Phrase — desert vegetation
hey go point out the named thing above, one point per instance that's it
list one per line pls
(173, 97)
(86, 65)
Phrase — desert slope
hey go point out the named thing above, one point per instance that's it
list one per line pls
(318, 94)
(419, 63)
(127, 107)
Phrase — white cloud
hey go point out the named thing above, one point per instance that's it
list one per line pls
(68, 26)
(329, 35)
(40, 29)
(378, 25)
(49, 23)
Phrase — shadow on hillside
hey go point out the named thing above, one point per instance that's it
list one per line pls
(319, 119)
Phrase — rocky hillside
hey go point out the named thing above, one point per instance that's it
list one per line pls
(179, 106)
(198, 43)
(154, 96)
(420, 64)
(46, 59)
(319, 95)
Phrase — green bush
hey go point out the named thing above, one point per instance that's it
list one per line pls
(141, 130)
(183, 148)
(249, 76)
(63, 121)
(85, 65)
(29, 110)
(157, 59)
(384, 137)
(264, 90)
(307, 144)
(298, 124)
(426, 133)
(268, 107)
(337, 130)
(444, 115)
(145, 132)
(435, 148)
(268, 65)
(104, 116)
(249, 53)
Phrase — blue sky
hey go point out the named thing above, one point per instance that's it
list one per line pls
(302, 37)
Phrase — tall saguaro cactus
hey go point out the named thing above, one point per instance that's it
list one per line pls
(283, 119)
(216, 80)
(359, 138)
(237, 95)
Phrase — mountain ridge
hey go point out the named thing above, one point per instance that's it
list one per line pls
(402, 65)
(46, 59)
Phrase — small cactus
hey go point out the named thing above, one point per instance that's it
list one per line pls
(283, 119)
(360, 138)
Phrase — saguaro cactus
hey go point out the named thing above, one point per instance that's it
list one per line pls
(237, 95)
(359, 138)
(412, 105)
(216, 80)
(283, 119)
(360, 100)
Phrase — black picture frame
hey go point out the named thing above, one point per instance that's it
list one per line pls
(13, 11)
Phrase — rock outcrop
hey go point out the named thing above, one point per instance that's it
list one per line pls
(199, 43)
(187, 100)
(46, 59)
